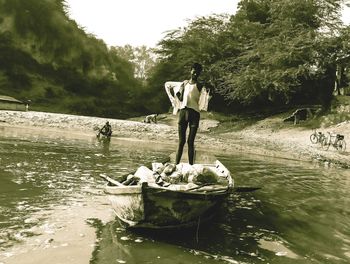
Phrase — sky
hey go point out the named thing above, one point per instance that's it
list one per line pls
(140, 22)
(144, 22)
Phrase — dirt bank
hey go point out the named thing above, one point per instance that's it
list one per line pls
(269, 137)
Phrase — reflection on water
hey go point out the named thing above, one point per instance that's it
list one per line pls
(40, 175)
(117, 244)
(105, 142)
(301, 214)
(301, 206)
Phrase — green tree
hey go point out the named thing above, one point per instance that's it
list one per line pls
(280, 46)
(142, 58)
(201, 41)
(271, 52)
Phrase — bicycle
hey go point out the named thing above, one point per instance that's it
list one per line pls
(317, 137)
(336, 140)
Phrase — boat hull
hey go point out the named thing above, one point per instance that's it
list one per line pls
(171, 209)
(148, 207)
(127, 203)
(153, 206)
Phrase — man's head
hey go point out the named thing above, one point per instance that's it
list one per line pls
(107, 123)
(196, 70)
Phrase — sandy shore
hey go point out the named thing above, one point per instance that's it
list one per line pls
(263, 138)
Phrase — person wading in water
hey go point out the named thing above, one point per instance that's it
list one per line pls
(106, 130)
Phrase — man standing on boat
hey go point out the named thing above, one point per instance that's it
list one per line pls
(190, 97)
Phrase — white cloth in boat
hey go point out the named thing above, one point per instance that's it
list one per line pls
(145, 175)
(186, 173)
(183, 176)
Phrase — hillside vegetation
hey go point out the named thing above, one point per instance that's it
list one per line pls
(46, 58)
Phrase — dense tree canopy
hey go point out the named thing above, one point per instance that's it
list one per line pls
(271, 52)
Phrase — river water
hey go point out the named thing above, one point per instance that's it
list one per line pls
(51, 195)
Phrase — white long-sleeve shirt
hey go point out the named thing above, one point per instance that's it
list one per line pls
(193, 98)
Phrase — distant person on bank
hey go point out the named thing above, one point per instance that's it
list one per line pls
(190, 97)
(151, 119)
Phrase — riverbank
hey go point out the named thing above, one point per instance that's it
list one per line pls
(268, 137)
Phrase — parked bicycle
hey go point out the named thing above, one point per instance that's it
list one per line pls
(336, 140)
(317, 137)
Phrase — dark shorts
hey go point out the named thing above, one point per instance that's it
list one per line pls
(189, 116)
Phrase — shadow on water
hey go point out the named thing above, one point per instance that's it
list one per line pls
(233, 236)
(125, 246)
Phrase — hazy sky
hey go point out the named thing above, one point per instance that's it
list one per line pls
(140, 22)
(144, 22)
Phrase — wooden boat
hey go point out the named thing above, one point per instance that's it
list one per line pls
(149, 205)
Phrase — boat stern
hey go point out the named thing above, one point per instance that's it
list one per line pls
(127, 203)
